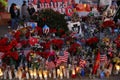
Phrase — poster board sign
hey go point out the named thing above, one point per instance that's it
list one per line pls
(62, 6)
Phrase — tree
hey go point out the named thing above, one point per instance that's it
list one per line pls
(51, 18)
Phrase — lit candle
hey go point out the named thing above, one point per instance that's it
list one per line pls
(61, 75)
(68, 73)
(1, 73)
(73, 73)
(117, 68)
(40, 74)
(27, 74)
(62, 67)
(35, 74)
(77, 69)
(64, 72)
(58, 72)
(54, 73)
(31, 73)
(45, 74)
(19, 74)
(50, 75)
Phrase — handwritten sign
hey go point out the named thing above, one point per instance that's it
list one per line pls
(63, 6)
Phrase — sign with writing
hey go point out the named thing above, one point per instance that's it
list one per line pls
(63, 6)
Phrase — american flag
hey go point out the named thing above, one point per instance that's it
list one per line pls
(50, 64)
(62, 58)
(103, 58)
(82, 63)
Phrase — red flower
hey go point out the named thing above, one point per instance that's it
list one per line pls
(13, 55)
(53, 30)
(3, 41)
(24, 42)
(117, 41)
(13, 43)
(61, 31)
(73, 47)
(108, 23)
(92, 40)
(39, 30)
(44, 19)
(57, 42)
(33, 41)
(17, 35)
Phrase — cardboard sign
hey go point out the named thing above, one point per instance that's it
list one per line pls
(62, 6)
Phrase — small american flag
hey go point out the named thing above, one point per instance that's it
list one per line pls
(62, 58)
(103, 58)
(50, 64)
(82, 63)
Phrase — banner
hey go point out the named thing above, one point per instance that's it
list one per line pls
(63, 6)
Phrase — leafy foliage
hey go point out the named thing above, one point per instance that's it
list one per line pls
(3, 5)
(51, 18)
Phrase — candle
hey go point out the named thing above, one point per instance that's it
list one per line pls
(107, 74)
(15, 72)
(61, 75)
(68, 73)
(102, 75)
(117, 68)
(58, 72)
(5, 74)
(64, 72)
(77, 69)
(19, 74)
(10, 75)
(27, 74)
(50, 75)
(82, 73)
(1, 73)
(40, 74)
(73, 73)
(62, 67)
(35, 74)
(45, 74)
(31, 73)
(54, 73)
